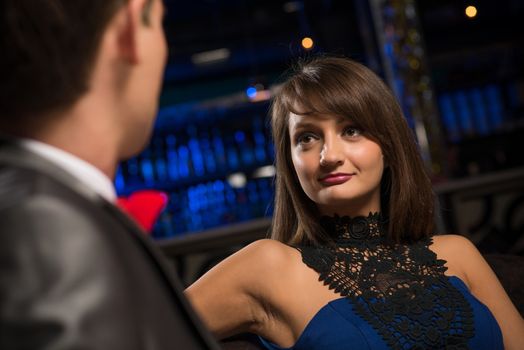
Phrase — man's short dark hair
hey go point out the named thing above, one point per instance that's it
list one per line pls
(47, 50)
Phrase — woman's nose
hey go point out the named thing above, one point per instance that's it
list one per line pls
(332, 153)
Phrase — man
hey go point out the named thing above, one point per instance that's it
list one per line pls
(78, 93)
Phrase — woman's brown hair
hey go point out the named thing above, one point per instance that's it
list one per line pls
(341, 87)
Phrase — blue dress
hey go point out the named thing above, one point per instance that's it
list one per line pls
(393, 295)
(336, 326)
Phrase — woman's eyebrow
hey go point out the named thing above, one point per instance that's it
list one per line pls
(304, 125)
(344, 120)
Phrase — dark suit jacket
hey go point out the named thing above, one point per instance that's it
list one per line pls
(76, 273)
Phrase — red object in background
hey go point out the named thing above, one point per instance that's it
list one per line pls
(144, 207)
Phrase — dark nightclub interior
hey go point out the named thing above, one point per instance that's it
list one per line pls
(144, 203)
(455, 66)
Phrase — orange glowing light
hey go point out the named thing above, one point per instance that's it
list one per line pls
(307, 43)
(471, 11)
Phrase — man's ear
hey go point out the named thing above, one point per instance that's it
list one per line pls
(132, 19)
(146, 12)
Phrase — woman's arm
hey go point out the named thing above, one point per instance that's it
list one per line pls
(235, 295)
(485, 286)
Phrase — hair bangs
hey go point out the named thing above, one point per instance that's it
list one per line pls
(324, 93)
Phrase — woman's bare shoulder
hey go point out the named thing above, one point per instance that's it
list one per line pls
(449, 243)
(269, 270)
(462, 255)
(459, 253)
(255, 264)
(268, 244)
(270, 253)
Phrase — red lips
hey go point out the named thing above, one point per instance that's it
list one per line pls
(335, 178)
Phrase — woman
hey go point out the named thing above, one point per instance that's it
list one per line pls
(351, 263)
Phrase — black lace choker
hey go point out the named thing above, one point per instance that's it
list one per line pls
(398, 289)
(357, 228)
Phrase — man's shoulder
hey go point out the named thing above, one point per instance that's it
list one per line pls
(28, 173)
(35, 205)
(20, 185)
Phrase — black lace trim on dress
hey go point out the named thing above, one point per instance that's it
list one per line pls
(400, 290)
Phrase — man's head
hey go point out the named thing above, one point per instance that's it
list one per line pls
(51, 50)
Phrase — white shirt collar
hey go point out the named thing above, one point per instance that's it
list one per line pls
(88, 174)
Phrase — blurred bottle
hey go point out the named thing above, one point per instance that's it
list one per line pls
(209, 157)
(120, 182)
(449, 118)
(146, 168)
(172, 158)
(132, 175)
(480, 114)
(245, 147)
(495, 105)
(160, 158)
(197, 160)
(219, 150)
(232, 157)
(464, 113)
(184, 164)
(260, 140)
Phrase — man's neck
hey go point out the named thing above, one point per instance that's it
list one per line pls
(83, 132)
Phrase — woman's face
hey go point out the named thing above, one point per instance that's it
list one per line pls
(338, 167)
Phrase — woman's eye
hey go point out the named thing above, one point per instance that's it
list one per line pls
(305, 138)
(352, 131)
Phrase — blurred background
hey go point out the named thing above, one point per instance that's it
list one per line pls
(456, 66)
